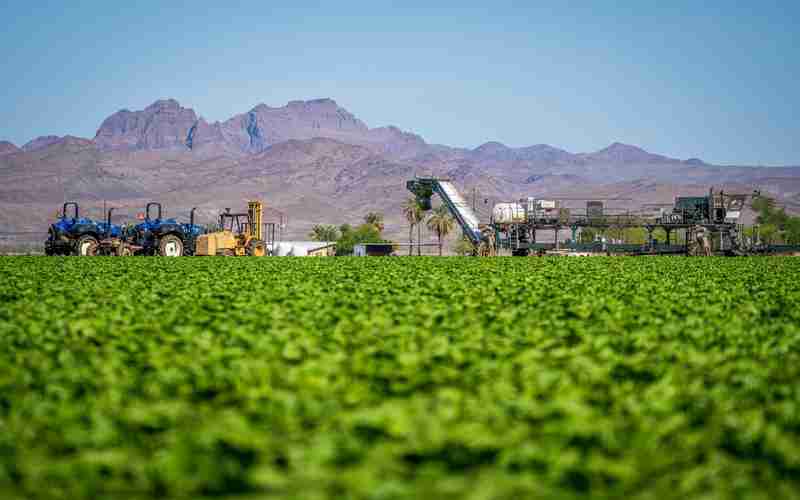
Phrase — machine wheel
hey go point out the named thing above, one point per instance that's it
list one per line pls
(86, 246)
(256, 249)
(170, 246)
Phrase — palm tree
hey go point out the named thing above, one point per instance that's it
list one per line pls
(413, 213)
(324, 232)
(375, 219)
(441, 223)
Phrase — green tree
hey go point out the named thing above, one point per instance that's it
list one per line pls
(365, 233)
(774, 223)
(464, 247)
(324, 232)
(413, 213)
(793, 231)
(587, 234)
(764, 206)
(376, 219)
(441, 223)
(768, 233)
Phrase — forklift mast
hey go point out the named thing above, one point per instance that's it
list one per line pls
(255, 211)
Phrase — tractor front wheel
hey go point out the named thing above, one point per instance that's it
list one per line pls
(86, 246)
(170, 246)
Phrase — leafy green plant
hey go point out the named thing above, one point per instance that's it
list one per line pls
(399, 378)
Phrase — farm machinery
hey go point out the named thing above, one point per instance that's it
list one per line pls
(76, 235)
(710, 224)
(72, 234)
(240, 234)
(165, 237)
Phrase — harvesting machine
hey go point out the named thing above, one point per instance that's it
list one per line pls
(709, 224)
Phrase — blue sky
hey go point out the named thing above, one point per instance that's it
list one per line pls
(717, 81)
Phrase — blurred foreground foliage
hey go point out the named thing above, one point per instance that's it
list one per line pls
(437, 378)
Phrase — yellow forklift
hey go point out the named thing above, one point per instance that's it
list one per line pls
(240, 234)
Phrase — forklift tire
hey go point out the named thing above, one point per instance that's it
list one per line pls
(170, 246)
(86, 246)
(256, 249)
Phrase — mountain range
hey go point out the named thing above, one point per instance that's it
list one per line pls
(315, 162)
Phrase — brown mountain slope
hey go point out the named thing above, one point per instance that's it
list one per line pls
(314, 162)
(7, 148)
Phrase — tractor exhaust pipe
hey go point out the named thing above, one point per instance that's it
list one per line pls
(191, 216)
(108, 223)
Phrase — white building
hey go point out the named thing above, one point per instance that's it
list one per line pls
(299, 248)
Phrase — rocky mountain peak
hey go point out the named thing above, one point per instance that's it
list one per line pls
(625, 153)
(695, 161)
(491, 146)
(545, 152)
(165, 124)
(494, 150)
(7, 148)
(40, 142)
(164, 105)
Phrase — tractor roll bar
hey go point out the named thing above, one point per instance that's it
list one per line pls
(153, 204)
(69, 204)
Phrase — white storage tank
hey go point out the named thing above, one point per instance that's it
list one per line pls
(508, 213)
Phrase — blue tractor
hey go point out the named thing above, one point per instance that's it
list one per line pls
(114, 239)
(75, 235)
(165, 237)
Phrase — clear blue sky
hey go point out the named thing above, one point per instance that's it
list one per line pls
(717, 81)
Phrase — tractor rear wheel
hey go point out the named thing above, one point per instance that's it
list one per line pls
(86, 246)
(170, 246)
(256, 248)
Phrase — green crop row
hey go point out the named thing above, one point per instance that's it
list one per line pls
(645, 378)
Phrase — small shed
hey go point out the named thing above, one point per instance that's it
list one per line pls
(373, 249)
(328, 250)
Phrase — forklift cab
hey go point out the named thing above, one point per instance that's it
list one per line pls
(237, 223)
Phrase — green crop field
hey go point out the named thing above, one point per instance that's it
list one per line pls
(392, 378)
